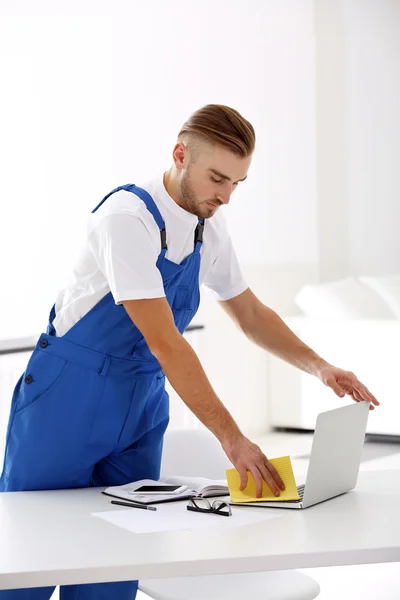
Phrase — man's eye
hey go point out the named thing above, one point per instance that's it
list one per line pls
(216, 180)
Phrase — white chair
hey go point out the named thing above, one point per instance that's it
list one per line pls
(197, 453)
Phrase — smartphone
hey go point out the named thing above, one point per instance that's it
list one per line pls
(160, 489)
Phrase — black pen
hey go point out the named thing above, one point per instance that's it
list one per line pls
(132, 505)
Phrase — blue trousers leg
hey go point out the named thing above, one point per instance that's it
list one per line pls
(139, 461)
(43, 450)
(121, 590)
(43, 593)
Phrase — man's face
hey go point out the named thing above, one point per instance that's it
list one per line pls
(208, 182)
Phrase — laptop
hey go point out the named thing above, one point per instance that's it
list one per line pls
(335, 457)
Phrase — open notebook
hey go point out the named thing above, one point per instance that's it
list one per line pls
(201, 486)
(197, 486)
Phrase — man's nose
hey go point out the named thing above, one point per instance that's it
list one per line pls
(225, 196)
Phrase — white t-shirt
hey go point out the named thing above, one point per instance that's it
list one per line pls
(122, 248)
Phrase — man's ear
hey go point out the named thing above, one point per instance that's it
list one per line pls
(179, 155)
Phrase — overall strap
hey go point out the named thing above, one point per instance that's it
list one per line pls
(150, 205)
(198, 235)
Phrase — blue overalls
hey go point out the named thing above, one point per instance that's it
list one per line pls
(91, 408)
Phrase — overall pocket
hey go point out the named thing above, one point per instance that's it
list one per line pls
(182, 299)
(43, 372)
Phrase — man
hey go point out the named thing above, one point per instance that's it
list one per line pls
(91, 407)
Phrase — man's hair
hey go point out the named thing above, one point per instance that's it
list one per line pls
(219, 124)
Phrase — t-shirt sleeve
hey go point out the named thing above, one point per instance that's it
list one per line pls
(225, 279)
(127, 253)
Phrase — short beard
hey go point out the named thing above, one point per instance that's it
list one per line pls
(188, 197)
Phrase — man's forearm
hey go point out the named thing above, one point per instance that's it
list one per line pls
(186, 375)
(267, 330)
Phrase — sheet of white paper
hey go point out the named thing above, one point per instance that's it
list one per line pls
(174, 517)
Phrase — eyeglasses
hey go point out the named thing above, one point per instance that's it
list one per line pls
(218, 507)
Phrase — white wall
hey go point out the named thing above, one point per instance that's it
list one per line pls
(358, 133)
(358, 159)
(332, 160)
(372, 74)
(55, 153)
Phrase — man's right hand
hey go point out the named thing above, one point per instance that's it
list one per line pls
(246, 456)
(154, 318)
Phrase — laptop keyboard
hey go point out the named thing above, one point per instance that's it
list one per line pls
(300, 489)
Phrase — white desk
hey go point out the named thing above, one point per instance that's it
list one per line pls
(50, 538)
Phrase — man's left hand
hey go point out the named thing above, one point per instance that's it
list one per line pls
(345, 382)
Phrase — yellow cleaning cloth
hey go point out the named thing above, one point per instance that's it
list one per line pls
(284, 468)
